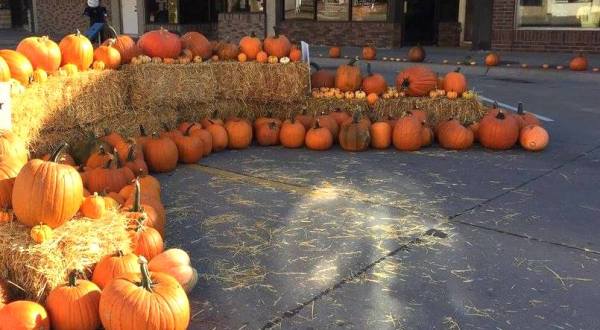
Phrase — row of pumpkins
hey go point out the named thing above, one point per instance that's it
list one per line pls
(45, 193)
(37, 57)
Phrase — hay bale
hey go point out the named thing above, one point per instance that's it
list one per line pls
(252, 81)
(79, 244)
(162, 87)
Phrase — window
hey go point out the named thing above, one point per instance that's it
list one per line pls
(336, 10)
(253, 6)
(162, 11)
(559, 13)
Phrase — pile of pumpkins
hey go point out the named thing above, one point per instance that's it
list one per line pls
(348, 82)
(45, 193)
(35, 58)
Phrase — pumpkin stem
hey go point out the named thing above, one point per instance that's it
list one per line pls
(55, 158)
(501, 115)
(405, 84)
(131, 153)
(146, 280)
(187, 131)
(457, 70)
(73, 278)
(117, 159)
(520, 108)
(143, 131)
(108, 163)
(272, 125)
(112, 29)
(137, 197)
(119, 253)
(352, 62)
(316, 125)
(252, 34)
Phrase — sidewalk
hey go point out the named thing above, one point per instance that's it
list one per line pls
(437, 55)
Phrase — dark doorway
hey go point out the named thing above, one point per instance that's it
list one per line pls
(419, 22)
(469, 21)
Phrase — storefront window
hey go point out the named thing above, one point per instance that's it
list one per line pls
(559, 13)
(162, 11)
(369, 10)
(333, 10)
(253, 6)
(299, 9)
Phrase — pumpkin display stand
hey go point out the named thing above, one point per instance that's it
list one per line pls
(35, 269)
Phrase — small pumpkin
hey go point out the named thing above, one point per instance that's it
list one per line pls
(112, 177)
(74, 305)
(492, 59)
(295, 54)
(47, 192)
(499, 131)
(272, 60)
(262, 57)
(416, 54)
(374, 83)
(318, 138)
(98, 159)
(416, 81)
(331, 124)
(41, 233)
(381, 135)
(534, 138)
(176, 263)
(454, 136)
(578, 63)
(220, 138)
(98, 66)
(239, 133)
(113, 266)
(335, 52)
(372, 99)
(93, 206)
(70, 70)
(348, 77)
(292, 134)
(161, 154)
(355, 135)
(455, 82)
(369, 53)
(11, 146)
(407, 135)
(277, 45)
(242, 58)
(146, 241)
(109, 55)
(305, 119)
(76, 49)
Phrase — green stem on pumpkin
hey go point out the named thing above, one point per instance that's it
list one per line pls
(55, 158)
(520, 108)
(108, 163)
(142, 131)
(73, 278)
(501, 115)
(131, 153)
(187, 131)
(146, 280)
(137, 197)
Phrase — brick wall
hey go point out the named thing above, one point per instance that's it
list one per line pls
(506, 37)
(449, 34)
(234, 26)
(385, 35)
(60, 17)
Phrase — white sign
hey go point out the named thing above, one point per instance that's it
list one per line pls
(305, 52)
(5, 114)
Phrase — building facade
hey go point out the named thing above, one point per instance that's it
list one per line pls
(536, 25)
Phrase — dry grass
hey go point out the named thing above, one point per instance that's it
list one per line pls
(78, 244)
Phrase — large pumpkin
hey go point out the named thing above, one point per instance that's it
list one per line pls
(78, 50)
(42, 52)
(161, 154)
(126, 47)
(381, 135)
(160, 43)
(374, 83)
(499, 131)
(113, 266)
(176, 263)
(416, 54)
(578, 63)
(348, 77)
(267, 134)
(355, 134)
(292, 134)
(74, 305)
(19, 66)
(407, 135)
(251, 46)
(455, 82)
(125, 302)
(318, 138)
(321, 78)
(277, 45)
(416, 81)
(24, 315)
(239, 133)
(12, 147)
(198, 44)
(454, 136)
(47, 192)
(109, 55)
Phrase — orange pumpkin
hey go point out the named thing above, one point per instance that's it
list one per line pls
(74, 305)
(78, 50)
(228, 51)
(93, 206)
(452, 135)
(369, 53)
(220, 138)
(416, 54)
(47, 192)
(416, 81)
(250, 46)
(176, 263)
(498, 132)
(146, 241)
(355, 134)
(381, 135)
(339, 116)
(331, 124)
(198, 44)
(13, 147)
(124, 302)
(190, 147)
(335, 52)
(112, 177)
(126, 47)
(24, 315)
(242, 57)
(161, 154)
(19, 66)
(292, 134)
(348, 77)
(262, 57)
(295, 54)
(427, 135)
(4, 71)
(109, 55)
(526, 118)
(160, 43)
(267, 134)
(305, 119)
(534, 138)
(277, 45)
(318, 138)
(239, 133)
(492, 59)
(374, 83)
(407, 135)
(578, 63)
(9, 168)
(113, 266)
(455, 82)
(474, 127)
(321, 78)
(42, 52)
